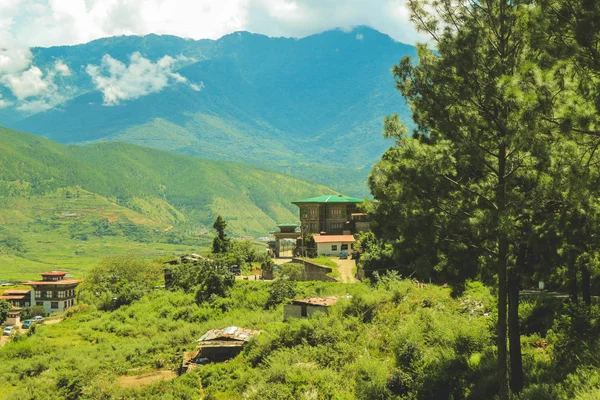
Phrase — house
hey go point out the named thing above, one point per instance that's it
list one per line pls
(285, 232)
(54, 292)
(223, 344)
(333, 244)
(331, 214)
(305, 308)
(17, 297)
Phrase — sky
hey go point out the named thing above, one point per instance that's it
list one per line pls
(61, 22)
(30, 23)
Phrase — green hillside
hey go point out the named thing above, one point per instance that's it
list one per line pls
(72, 205)
(279, 103)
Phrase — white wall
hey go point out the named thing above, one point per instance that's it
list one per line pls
(324, 249)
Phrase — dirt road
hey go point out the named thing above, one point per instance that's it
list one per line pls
(346, 269)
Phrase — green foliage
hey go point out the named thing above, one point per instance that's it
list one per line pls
(119, 281)
(33, 311)
(4, 309)
(206, 278)
(282, 290)
(292, 272)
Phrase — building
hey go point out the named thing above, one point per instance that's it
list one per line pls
(223, 344)
(305, 308)
(285, 232)
(17, 297)
(330, 214)
(54, 292)
(14, 317)
(333, 245)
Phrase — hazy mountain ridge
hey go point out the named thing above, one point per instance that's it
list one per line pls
(282, 103)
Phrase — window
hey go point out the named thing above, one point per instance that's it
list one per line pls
(336, 225)
(344, 247)
(61, 294)
(54, 305)
(65, 305)
(334, 247)
(38, 293)
(26, 304)
(49, 294)
(336, 212)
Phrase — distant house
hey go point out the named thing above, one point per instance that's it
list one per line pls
(331, 214)
(17, 297)
(333, 244)
(54, 292)
(14, 317)
(305, 308)
(223, 344)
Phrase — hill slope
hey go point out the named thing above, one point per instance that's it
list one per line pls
(312, 107)
(72, 205)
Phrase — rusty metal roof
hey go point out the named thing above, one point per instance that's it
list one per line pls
(317, 301)
(227, 334)
(61, 282)
(15, 291)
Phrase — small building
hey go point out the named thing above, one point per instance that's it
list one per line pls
(54, 292)
(333, 244)
(289, 232)
(17, 297)
(305, 308)
(222, 344)
(14, 317)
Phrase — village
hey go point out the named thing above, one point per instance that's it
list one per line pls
(327, 227)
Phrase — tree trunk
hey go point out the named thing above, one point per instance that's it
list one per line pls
(514, 331)
(502, 284)
(586, 285)
(573, 289)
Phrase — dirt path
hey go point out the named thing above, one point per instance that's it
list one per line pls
(346, 269)
(146, 379)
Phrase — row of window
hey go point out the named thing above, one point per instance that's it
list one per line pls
(313, 212)
(49, 294)
(54, 304)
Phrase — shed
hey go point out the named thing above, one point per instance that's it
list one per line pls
(304, 308)
(223, 344)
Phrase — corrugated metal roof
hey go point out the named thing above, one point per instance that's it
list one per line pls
(329, 198)
(333, 238)
(53, 273)
(317, 301)
(229, 333)
(15, 291)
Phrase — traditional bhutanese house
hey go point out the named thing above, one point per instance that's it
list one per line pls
(333, 244)
(14, 317)
(305, 308)
(17, 297)
(54, 292)
(223, 344)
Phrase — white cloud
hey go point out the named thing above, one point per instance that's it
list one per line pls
(119, 82)
(28, 83)
(54, 22)
(62, 68)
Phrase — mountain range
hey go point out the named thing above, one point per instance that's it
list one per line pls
(311, 107)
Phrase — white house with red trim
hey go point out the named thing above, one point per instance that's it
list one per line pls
(332, 245)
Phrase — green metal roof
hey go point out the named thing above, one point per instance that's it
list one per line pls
(329, 198)
(288, 225)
